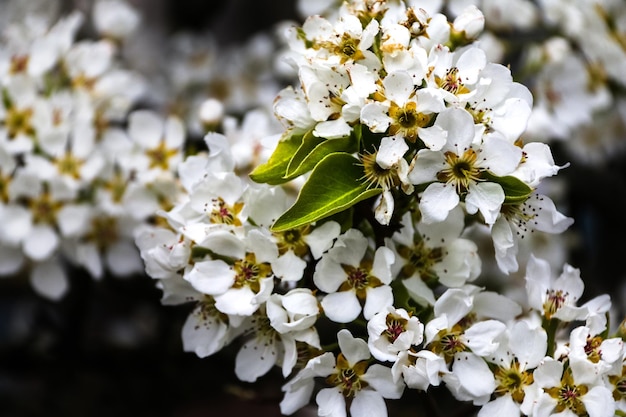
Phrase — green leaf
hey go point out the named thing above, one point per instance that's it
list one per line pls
(273, 171)
(314, 149)
(516, 191)
(335, 184)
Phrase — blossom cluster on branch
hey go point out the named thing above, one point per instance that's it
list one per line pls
(340, 243)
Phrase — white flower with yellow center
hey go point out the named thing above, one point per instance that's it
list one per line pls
(350, 277)
(521, 350)
(454, 172)
(431, 254)
(392, 331)
(554, 297)
(405, 112)
(355, 383)
(567, 390)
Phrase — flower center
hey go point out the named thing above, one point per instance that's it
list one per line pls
(513, 381)
(448, 343)
(159, 156)
(377, 176)
(421, 259)
(347, 378)
(555, 299)
(592, 349)
(293, 239)
(406, 120)
(250, 273)
(461, 170)
(451, 82)
(69, 165)
(222, 213)
(619, 382)
(359, 279)
(348, 49)
(19, 122)
(396, 325)
(104, 232)
(45, 209)
(568, 395)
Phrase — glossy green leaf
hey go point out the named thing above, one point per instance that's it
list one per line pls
(313, 150)
(335, 184)
(273, 171)
(515, 190)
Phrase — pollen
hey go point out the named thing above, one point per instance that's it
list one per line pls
(555, 299)
(396, 325)
(451, 82)
(223, 213)
(406, 120)
(461, 171)
(348, 378)
(249, 273)
(512, 381)
(375, 175)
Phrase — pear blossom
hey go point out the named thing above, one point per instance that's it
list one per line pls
(392, 331)
(428, 255)
(352, 378)
(453, 172)
(559, 388)
(521, 351)
(350, 277)
(516, 221)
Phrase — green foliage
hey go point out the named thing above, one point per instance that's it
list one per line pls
(335, 184)
(515, 190)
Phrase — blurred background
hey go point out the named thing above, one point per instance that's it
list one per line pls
(109, 348)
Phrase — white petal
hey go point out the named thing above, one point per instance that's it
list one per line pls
(380, 378)
(145, 128)
(377, 299)
(354, 349)
(40, 243)
(254, 359)
(211, 277)
(330, 402)
(368, 404)
(329, 275)
(322, 237)
(419, 291)
(49, 280)
(374, 116)
(398, 87)
(11, 260)
(341, 307)
(203, 335)
(122, 259)
(487, 197)
(289, 267)
(482, 337)
(297, 398)
(599, 402)
(392, 149)
(501, 406)
(474, 374)
(237, 301)
(332, 129)
(437, 201)
(73, 219)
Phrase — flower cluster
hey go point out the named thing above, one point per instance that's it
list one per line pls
(68, 189)
(83, 160)
(340, 242)
(401, 138)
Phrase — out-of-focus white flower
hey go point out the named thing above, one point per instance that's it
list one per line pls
(115, 18)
